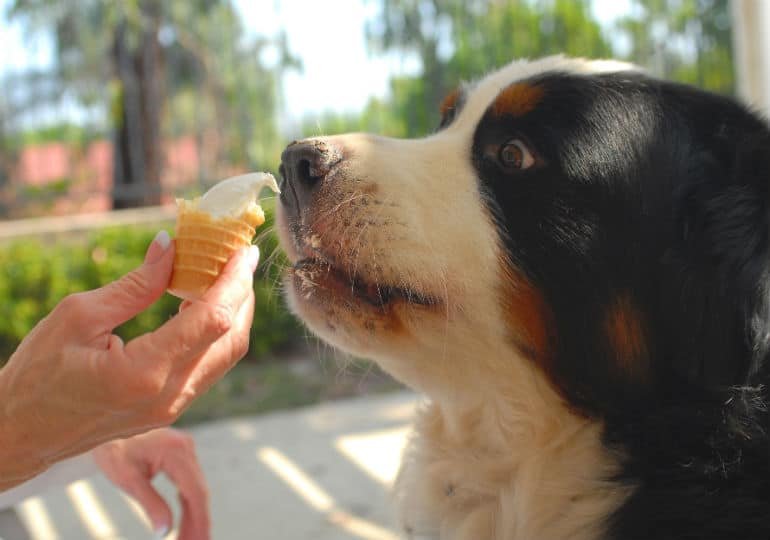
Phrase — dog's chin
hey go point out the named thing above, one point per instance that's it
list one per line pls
(351, 313)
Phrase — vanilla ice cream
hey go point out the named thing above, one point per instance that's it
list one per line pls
(212, 227)
(232, 197)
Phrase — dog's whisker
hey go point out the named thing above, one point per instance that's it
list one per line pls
(337, 207)
(357, 240)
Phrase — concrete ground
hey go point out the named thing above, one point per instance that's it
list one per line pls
(321, 473)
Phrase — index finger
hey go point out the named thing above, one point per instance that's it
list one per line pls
(207, 319)
(235, 282)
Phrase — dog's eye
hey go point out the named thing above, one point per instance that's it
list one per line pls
(515, 155)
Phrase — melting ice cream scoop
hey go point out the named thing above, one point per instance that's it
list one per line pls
(234, 196)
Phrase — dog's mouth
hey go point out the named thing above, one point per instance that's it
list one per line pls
(311, 274)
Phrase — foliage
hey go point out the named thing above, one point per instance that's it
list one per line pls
(42, 197)
(220, 84)
(35, 276)
(684, 40)
(258, 387)
(69, 133)
(377, 117)
(456, 40)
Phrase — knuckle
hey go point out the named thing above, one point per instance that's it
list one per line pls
(134, 284)
(188, 441)
(241, 346)
(220, 319)
(129, 479)
(164, 416)
(141, 387)
(168, 410)
(74, 305)
(153, 386)
(183, 443)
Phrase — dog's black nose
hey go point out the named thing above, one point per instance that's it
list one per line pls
(304, 167)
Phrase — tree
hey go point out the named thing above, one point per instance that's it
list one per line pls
(136, 58)
(458, 40)
(4, 149)
(685, 40)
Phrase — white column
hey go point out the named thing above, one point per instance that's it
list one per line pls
(751, 44)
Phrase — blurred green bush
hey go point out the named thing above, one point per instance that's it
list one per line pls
(35, 275)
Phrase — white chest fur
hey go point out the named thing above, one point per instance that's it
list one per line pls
(471, 476)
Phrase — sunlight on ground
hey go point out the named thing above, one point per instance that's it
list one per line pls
(35, 517)
(318, 499)
(377, 453)
(90, 511)
(317, 473)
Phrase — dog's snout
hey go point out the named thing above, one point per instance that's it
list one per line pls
(304, 168)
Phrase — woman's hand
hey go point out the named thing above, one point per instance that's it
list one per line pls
(72, 385)
(132, 463)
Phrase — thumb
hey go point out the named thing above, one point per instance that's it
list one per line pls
(121, 300)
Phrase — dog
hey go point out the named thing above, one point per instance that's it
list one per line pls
(573, 269)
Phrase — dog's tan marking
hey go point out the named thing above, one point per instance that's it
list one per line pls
(518, 99)
(449, 102)
(528, 316)
(624, 328)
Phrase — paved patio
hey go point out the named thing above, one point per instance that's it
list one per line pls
(321, 473)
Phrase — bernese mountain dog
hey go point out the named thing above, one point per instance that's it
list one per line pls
(574, 270)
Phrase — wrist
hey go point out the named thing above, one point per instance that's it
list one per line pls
(20, 458)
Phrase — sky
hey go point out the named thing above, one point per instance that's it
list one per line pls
(328, 36)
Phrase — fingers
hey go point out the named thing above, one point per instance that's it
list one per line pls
(204, 321)
(132, 463)
(229, 274)
(220, 357)
(119, 301)
(191, 526)
(235, 281)
(185, 472)
(158, 512)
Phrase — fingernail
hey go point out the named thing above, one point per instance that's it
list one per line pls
(158, 247)
(160, 533)
(253, 258)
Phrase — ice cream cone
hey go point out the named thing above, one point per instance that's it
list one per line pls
(211, 228)
(204, 245)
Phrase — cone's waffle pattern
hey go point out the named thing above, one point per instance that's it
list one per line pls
(203, 247)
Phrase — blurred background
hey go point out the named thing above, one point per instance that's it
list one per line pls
(110, 110)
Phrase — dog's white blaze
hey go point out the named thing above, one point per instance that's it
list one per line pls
(483, 93)
(496, 454)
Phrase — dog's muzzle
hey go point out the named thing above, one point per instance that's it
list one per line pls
(305, 167)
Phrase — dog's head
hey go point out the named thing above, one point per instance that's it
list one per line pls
(606, 227)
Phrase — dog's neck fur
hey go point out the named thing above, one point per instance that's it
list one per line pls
(518, 465)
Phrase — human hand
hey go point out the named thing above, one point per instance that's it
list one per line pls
(132, 463)
(72, 385)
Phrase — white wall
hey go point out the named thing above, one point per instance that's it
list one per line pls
(751, 39)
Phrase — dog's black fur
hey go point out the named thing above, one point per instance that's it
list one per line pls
(656, 193)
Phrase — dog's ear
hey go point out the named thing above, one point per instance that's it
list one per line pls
(724, 224)
(721, 268)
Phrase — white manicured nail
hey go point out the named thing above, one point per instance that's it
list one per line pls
(163, 239)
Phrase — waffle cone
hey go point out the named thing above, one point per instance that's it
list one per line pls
(203, 247)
